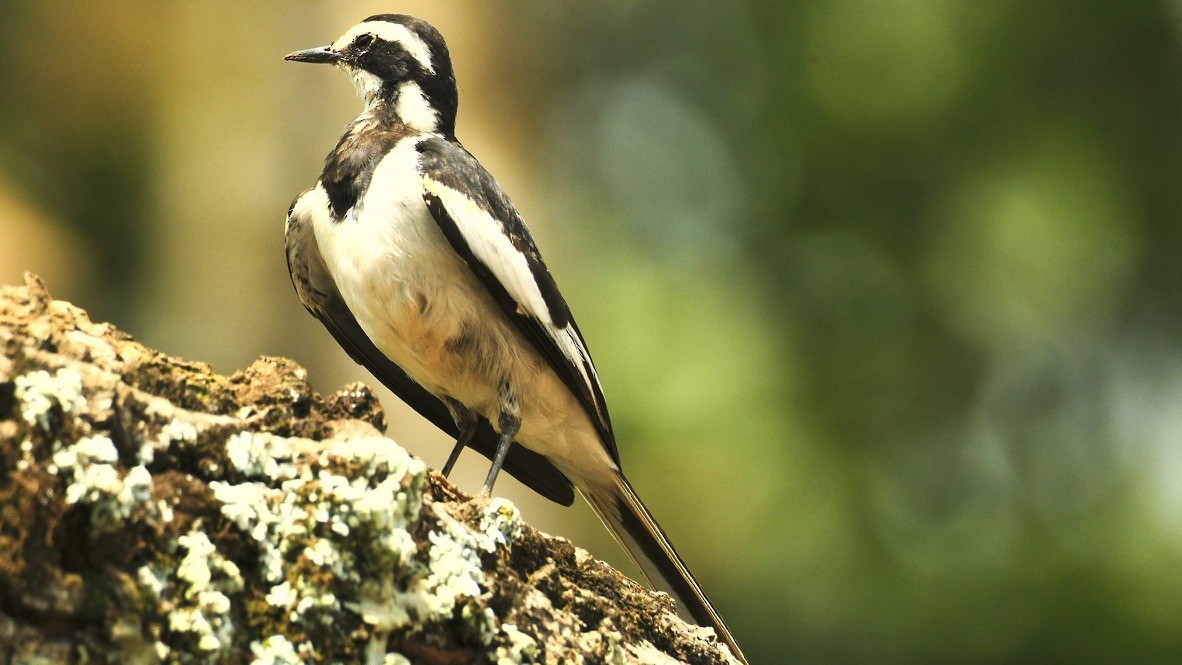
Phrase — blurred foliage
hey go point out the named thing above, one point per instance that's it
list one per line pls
(885, 294)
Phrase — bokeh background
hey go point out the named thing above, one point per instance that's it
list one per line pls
(886, 295)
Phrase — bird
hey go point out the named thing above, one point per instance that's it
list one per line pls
(416, 261)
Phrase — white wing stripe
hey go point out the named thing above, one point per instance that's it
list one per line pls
(572, 348)
(492, 247)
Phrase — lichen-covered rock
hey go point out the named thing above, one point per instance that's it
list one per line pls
(154, 511)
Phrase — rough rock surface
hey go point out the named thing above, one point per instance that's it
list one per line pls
(154, 511)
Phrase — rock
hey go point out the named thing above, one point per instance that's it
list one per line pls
(152, 510)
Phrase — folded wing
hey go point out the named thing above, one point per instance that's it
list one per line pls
(485, 229)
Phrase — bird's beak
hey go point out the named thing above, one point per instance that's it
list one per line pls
(318, 55)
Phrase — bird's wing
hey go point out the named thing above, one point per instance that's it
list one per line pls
(318, 292)
(486, 231)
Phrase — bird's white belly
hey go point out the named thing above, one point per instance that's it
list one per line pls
(411, 294)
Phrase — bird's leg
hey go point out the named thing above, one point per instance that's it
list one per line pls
(510, 423)
(468, 423)
(466, 434)
(509, 426)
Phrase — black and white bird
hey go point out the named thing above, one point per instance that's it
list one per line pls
(413, 257)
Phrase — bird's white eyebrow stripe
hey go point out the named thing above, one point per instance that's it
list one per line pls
(391, 32)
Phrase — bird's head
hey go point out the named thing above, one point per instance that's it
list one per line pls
(398, 61)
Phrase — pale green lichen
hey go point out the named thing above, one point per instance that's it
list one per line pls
(260, 455)
(176, 432)
(275, 650)
(93, 448)
(38, 392)
(332, 532)
(153, 579)
(333, 535)
(207, 579)
(179, 431)
(454, 568)
(89, 466)
(518, 647)
(501, 523)
(189, 590)
(350, 531)
(616, 655)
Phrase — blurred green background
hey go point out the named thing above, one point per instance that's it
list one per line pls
(885, 295)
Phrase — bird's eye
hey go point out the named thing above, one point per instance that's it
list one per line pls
(363, 40)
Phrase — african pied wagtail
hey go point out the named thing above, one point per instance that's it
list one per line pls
(412, 256)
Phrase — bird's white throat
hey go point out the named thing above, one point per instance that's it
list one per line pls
(367, 85)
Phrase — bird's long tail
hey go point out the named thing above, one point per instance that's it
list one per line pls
(647, 545)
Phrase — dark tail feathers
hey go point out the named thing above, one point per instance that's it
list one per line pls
(638, 532)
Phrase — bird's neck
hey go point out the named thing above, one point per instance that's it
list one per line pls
(406, 103)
